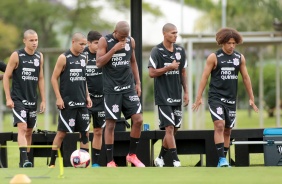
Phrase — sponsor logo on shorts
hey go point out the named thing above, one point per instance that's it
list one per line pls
(170, 100)
(134, 98)
(23, 113)
(227, 101)
(25, 102)
(85, 116)
(115, 108)
(101, 114)
(219, 110)
(71, 122)
(232, 113)
(32, 114)
(72, 103)
(121, 88)
(177, 113)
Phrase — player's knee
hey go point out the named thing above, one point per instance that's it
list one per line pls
(227, 131)
(84, 137)
(110, 126)
(98, 132)
(169, 130)
(138, 121)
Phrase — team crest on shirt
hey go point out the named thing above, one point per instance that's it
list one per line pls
(36, 62)
(23, 113)
(82, 62)
(71, 122)
(219, 111)
(126, 47)
(115, 108)
(236, 61)
(178, 55)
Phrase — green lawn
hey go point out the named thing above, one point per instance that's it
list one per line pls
(151, 175)
(257, 173)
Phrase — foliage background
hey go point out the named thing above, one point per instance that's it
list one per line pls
(56, 21)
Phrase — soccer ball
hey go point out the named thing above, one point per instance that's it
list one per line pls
(80, 159)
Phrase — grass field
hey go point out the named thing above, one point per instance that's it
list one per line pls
(256, 173)
(150, 175)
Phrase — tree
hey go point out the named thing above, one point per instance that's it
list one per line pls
(240, 14)
(8, 39)
(245, 15)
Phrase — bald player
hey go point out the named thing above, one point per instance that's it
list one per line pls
(122, 88)
(72, 95)
(2, 69)
(25, 67)
(167, 65)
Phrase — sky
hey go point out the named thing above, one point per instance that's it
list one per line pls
(151, 26)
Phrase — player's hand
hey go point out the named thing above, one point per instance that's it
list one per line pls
(10, 103)
(60, 103)
(252, 103)
(185, 99)
(197, 104)
(89, 102)
(174, 65)
(42, 107)
(120, 45)
(138, 89)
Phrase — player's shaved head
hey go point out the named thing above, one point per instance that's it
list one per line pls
(168, 27)
(29, 32)
(123, 27)
(78, 36)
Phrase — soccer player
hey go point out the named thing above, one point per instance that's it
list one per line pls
(2, 69)
(224, 66)
(95, 87)
(167, 66)
(116, 56)
(25, 67)
(72, 95)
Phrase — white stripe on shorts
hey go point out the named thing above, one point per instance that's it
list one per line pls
(139, 109)
(168, 118)
(88, 127)
(64, 121)
(109, 111)
(20, 118)
(178, 125)
(232, 124)
(104, 124)
(213, 113)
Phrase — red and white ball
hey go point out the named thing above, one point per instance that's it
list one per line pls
(80, 159)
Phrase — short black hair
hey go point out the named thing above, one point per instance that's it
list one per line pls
(93, 35)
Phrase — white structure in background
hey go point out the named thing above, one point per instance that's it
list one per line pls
(152, 26)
